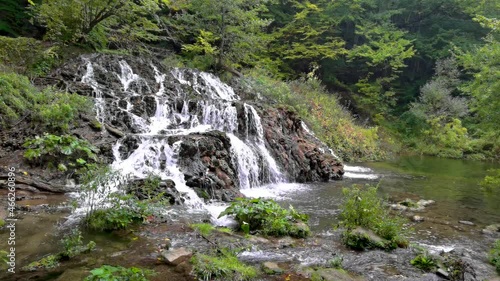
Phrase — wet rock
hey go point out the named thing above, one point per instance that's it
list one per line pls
(417, 218)
(258, 240)
(442, 273)
(271, 268)
(302, 156)
(331, 274)
(361, 238)
(286, 242)
(410, 205)
(176, 256)
(303, 229)
(73, 274)
(493, 229)
(466, 222)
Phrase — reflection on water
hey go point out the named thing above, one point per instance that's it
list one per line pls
(453, 184)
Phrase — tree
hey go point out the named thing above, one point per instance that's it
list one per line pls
(309, 36)
(228, 32)
(97, 22)
(436, 99)
(484, 64)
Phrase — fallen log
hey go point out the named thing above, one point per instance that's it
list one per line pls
(39, 184)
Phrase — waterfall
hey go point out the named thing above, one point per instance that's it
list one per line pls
(159, 113)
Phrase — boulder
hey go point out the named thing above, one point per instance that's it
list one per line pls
(271, 268)
(176, 256)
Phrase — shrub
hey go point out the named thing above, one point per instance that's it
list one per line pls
(56, 111)
(118, 273)
(445, 139)
(64, 152)
(363, 208)
(491, 182)
(49, 110)
(73, 244)
(108, 209)
(267, 217)
(27, 55)
(424, 261)
(224, 266)
(494, 255)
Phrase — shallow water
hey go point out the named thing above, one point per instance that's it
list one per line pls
(453, 184)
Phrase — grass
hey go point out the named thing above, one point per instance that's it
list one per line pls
(223, 266)
(205, 229)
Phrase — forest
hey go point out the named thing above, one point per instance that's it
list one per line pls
(416, 75)
(149, 139)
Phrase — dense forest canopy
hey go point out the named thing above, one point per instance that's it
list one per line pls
(425, 72)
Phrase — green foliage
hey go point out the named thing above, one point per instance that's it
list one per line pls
(98, 23)
(363, 208)
(267, 217)
(64, 152)
(321, 110)
(224, 266)
(491, 182)
(56, 111)
(73, 244)
(48, 109)
(223, 33)
(424, 261)
(205, 229)
(48, 262)
(118, 273)
(111, 210)
(445, 140)
(436, 99)
(3, 259)
(336, 262)
(483, 64)
(494, 255)
(27, 56)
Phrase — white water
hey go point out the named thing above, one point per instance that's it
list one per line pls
(212, 109)
(88, 79)
(356, 172)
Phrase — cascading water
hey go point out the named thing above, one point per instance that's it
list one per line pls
(197, 103)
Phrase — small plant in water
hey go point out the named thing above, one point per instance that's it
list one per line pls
(267, 217)
(363, 208)
(223, 266)
(118, 273)
(424, 261)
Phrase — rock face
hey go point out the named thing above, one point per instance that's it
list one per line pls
(193, 121)
(304, 157)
